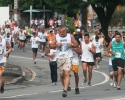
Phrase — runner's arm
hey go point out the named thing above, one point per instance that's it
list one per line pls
(74, 42)
(93, 50)
(108, 49)
(47, 53)
(9, 49)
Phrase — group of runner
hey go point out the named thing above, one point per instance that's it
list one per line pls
(65, 51)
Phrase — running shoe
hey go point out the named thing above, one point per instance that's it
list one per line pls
(77, 91)
(89, 83)
(115, 84)
(98, 67)
(2, 88)
(111, 82)
(69, 88)
(64, 94)
(84, 82)
(118, 87)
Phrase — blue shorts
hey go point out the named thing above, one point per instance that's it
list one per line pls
(111, 68)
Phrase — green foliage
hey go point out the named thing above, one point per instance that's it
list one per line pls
(70, 24)
(117, 16)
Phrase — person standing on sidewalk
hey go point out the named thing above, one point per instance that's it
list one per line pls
(3, 55)
(64, 43)
(53, 64)
(117, 51)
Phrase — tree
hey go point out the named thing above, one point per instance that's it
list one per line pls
(105, 9)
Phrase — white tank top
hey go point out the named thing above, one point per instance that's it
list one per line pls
(2, 50)
(97, 45)
(52, 51)
(64, 51)
(8, 39)
(21, 36)
(75, 59)
(87, 56)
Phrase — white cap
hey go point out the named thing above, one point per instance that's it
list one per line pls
(78, 30)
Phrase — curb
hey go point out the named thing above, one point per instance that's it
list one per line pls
(18, 79)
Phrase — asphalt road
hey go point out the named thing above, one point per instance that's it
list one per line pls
(40, 88)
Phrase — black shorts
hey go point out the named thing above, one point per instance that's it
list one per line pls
(35, 50)
(43, 44)
(117, 62)
(97, 55)
(28, 37)
(23, 41)
(89, 63)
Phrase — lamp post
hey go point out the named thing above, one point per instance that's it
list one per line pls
(121, 20)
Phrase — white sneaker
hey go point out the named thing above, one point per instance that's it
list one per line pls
(115, 85)
(98, 67)
(111, 82)
(95, 68)
(53, 84)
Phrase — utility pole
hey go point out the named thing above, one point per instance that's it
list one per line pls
(30, 14)
(16, 10)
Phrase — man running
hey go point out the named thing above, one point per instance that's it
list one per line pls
(88, 49)
(3, 55)
(64, 43)
(42, 35)
(117, 51)
(97, 56)
(34, 44)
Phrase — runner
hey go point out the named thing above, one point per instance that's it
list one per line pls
(88, 49)
(117, 51)
(3, 55)
(53, 64)
(34, 45)
(111, 72)
(9, 39)
(75, 67)
(16, 31)
(42, 35)
(101, 39)
(22, 37)
(28, 36)
(97, 56)
(63, 42)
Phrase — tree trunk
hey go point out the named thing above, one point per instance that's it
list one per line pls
(104, 17)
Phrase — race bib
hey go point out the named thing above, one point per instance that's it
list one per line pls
(87, 59)
(63, 54)
(118, 55)
(34, 42)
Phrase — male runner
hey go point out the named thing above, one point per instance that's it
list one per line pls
(64, 43)
(117, 51)
(88, 49)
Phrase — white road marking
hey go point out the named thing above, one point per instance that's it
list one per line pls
(106, 80)
(27, 58)
(22, 95)
(105, 75)
(120, 99)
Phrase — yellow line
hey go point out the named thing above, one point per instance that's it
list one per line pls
(33, 74)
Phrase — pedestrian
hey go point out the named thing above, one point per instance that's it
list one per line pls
(111, 71)
(117, 52)
(97, 56)
(3, 55)
(64, 43)
(51, 53)
(34, 45)
(88, 50)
